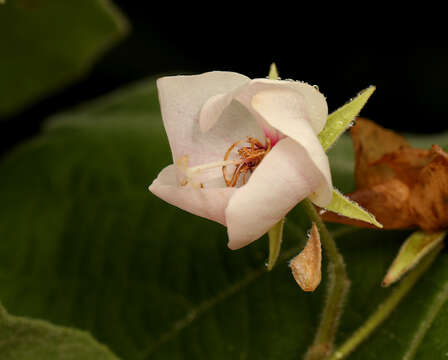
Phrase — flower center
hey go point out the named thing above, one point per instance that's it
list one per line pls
(250, 156)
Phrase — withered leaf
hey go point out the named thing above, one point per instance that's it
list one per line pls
(406, 163)
(306, 267)
(402, 186)
(429, 197)
(371, 142)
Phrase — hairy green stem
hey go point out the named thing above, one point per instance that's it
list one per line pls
(338, 285)
(386, 308)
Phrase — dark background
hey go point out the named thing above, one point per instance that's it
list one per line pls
(412, 82)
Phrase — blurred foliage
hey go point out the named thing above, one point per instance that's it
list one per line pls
(38, 340)
(84, 244)
(47, 44)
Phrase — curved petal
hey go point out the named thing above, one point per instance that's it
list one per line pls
(314, 102)
(208, 203)
(181, 99)
(286, 111)
(285, 176)
(213, 109)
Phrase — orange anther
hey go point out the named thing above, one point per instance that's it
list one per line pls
(250, 158)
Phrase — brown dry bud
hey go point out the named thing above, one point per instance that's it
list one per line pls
(306, 267)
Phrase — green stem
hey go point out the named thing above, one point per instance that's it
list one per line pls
(386, 308)
(338, 285)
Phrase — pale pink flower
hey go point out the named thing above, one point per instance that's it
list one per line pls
(204, 115)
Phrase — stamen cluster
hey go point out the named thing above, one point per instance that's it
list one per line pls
(250, 157)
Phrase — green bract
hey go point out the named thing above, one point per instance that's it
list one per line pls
(337, 124)
(411, 252)
(342, 205)
(341, 119)
(275, 235)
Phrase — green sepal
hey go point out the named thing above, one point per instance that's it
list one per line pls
(273, 72)
(275, 243)
(342, 205)
(341, 119)
(411, 252)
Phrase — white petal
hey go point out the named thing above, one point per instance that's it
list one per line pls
(285, 177)
(213, 109)
(286, 111)
(314, 101)
(209, 203)
(181, 100)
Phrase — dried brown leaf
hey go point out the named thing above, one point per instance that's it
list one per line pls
(401, 186)
(429, 197)
(371, 142)
(406, 162)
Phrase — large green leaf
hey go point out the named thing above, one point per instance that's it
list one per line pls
(84, 244)
(38, 340)
(46, 44)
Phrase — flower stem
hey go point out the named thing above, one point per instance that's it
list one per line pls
(386, 308)
(338, 285)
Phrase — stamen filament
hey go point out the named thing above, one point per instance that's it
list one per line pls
(196, 169)
(249, 158)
